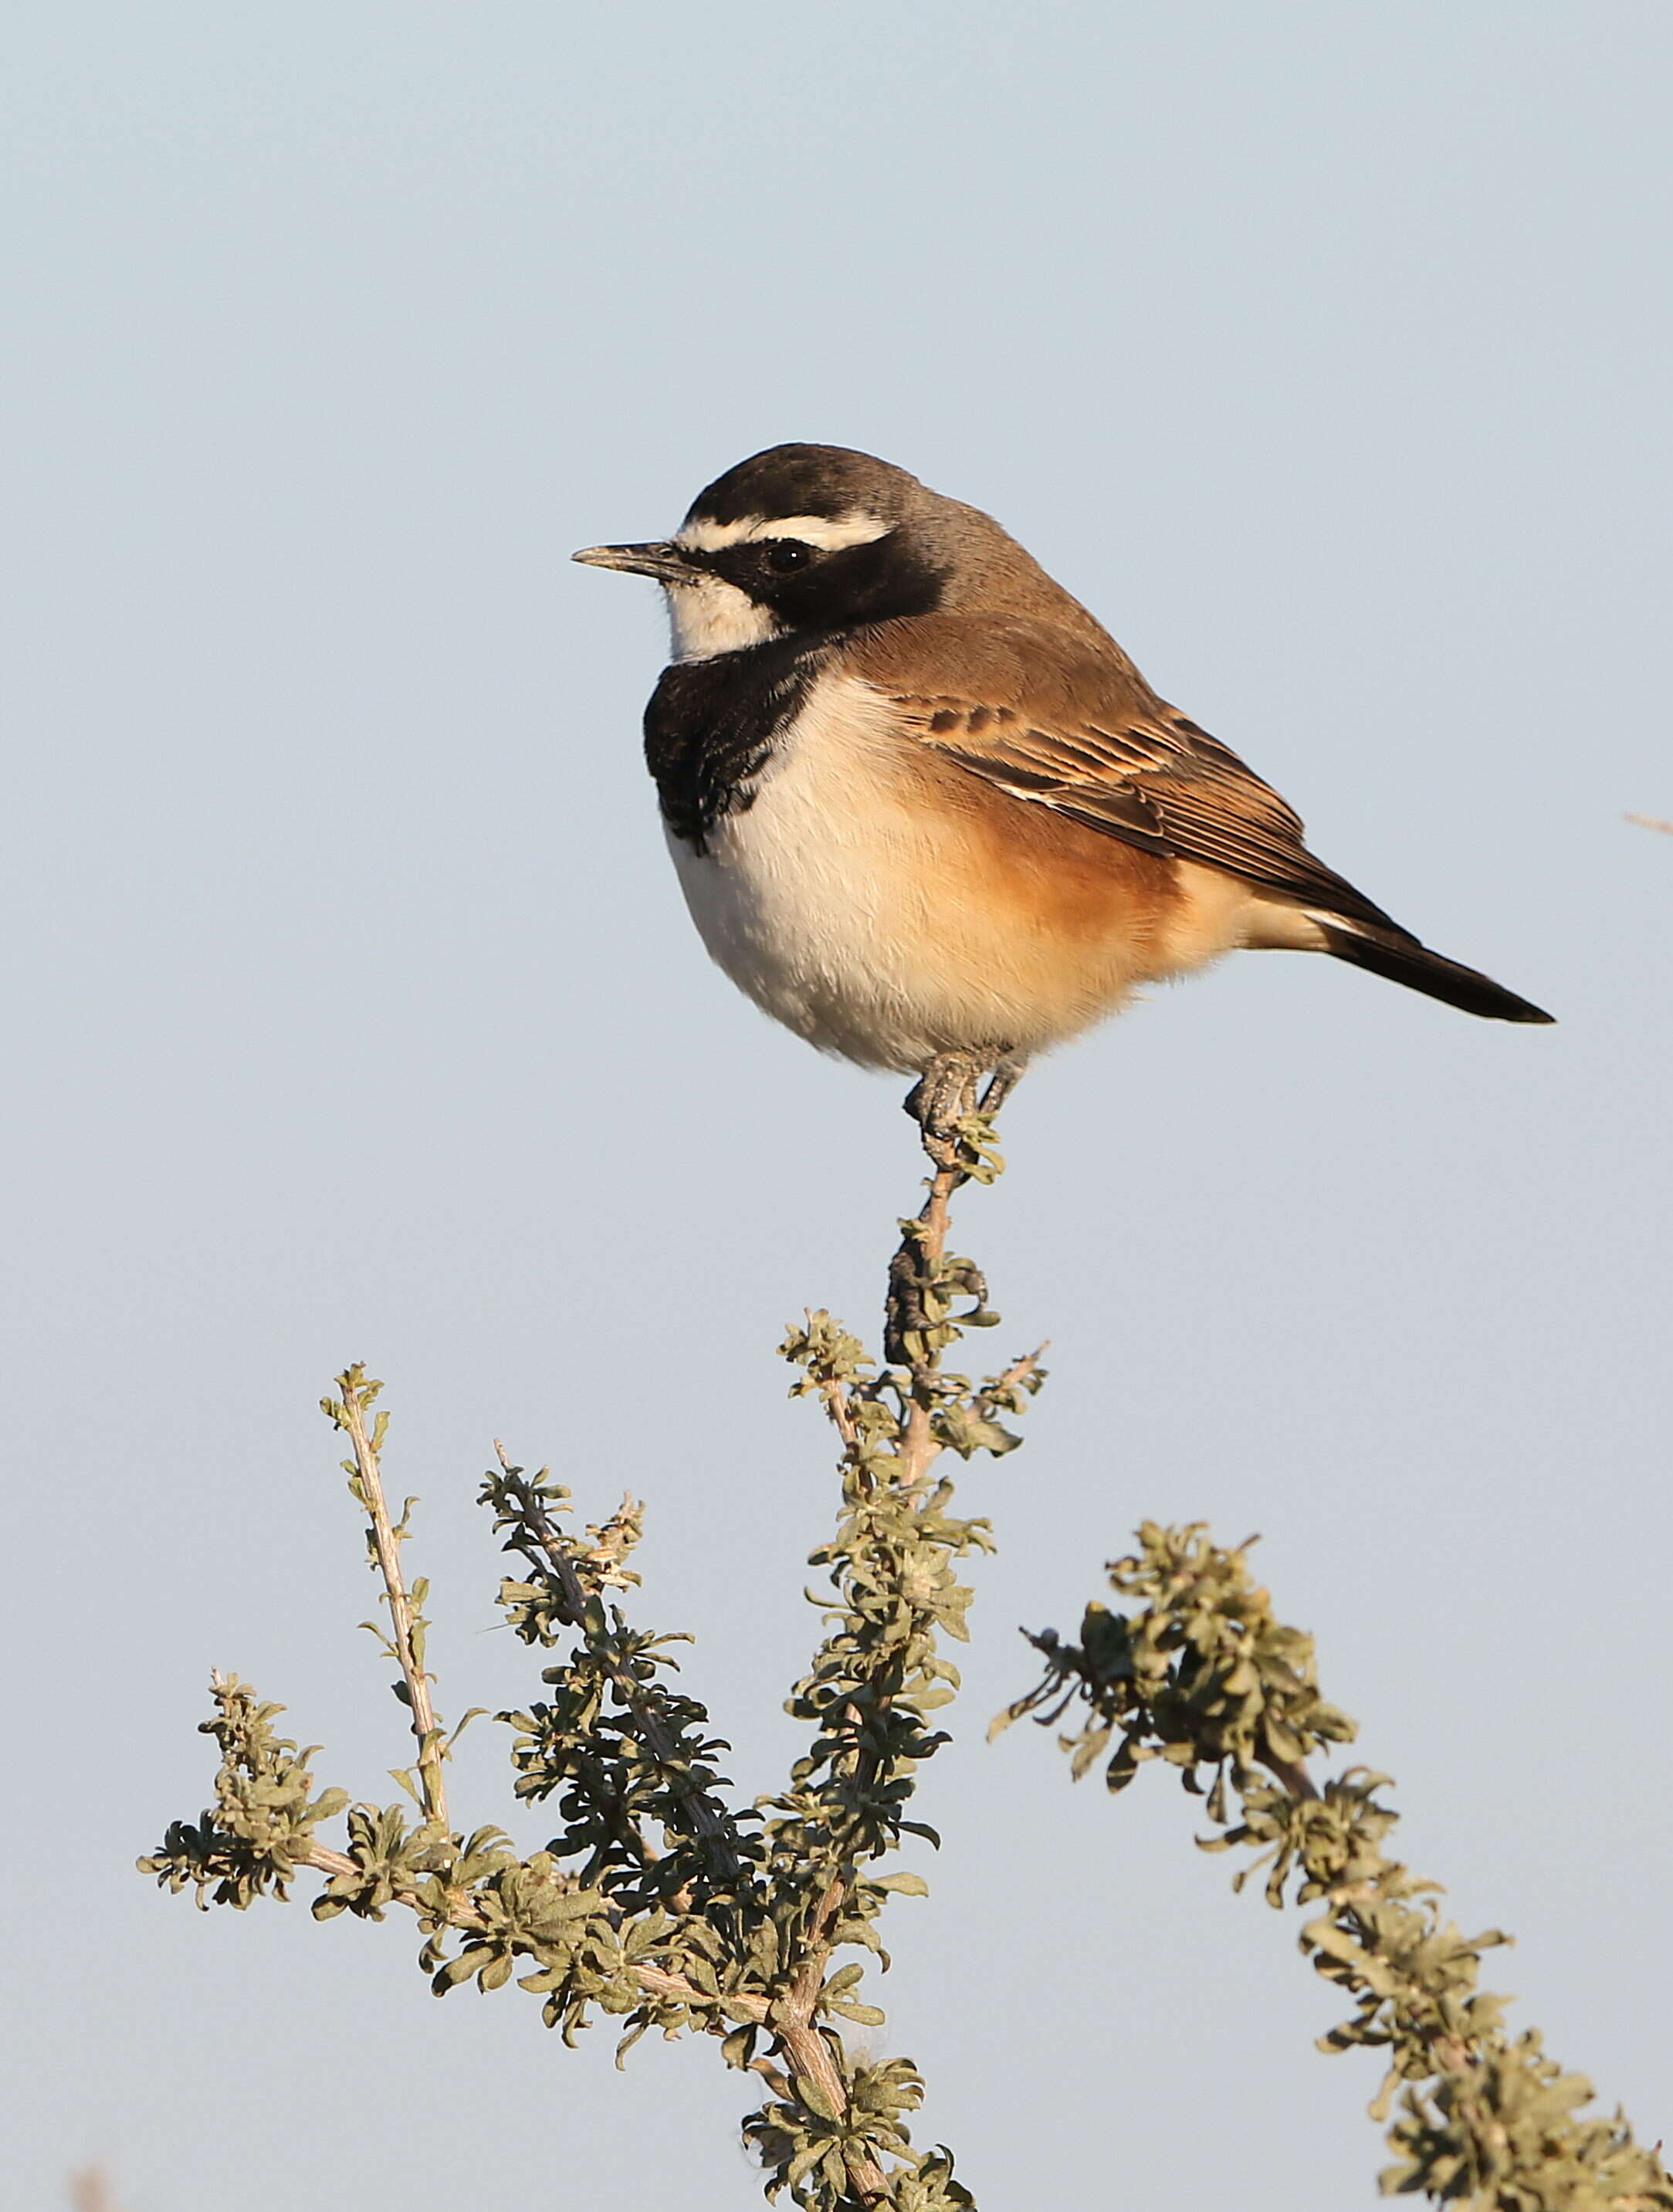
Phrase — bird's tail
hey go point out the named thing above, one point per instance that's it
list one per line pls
(1401, 959)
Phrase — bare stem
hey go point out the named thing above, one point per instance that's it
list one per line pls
(1021, 1373)
(918, 1446)
(388, 1548)
(834, 1397)
(1291, 1773)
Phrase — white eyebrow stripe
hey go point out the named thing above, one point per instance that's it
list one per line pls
(820, 530)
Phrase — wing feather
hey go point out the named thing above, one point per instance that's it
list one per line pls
(1037, 713)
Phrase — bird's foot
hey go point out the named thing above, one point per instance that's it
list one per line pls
(955, 1114)
(947, 1090)
(944, 1095)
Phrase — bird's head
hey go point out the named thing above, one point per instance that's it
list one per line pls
(818, 540)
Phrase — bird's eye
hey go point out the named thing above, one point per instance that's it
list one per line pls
(785, 554)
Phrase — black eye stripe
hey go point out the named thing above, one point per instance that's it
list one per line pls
(757, 559)
(810, 587)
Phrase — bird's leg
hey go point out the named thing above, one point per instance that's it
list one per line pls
(937, 1102)
(944, 1094)
(949, 1090)
(943, 1102)
(1007, 1074)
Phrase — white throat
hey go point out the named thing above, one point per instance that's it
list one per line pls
(708, 617)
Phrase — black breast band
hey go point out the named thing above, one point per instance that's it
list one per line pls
(711, 724)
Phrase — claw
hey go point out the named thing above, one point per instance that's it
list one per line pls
(946, 1093)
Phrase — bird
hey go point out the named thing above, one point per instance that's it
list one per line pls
(923, 808)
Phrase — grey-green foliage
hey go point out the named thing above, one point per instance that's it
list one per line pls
(660, 1900)
(1203, 1676)
(258, 1834)
(665, 1903)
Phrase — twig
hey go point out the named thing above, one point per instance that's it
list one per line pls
(993, 1398)
(918, 1446)
(707, 1819)
(1291, 1773)
(664, 1948)
(1205, 1676)
(462, 1914)
(388, 1549)
(833, 1395)
(917, 1262)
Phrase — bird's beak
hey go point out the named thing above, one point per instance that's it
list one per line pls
(663, 559)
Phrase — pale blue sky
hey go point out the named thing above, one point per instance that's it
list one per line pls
(1324, 350)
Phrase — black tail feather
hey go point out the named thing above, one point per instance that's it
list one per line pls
(1403, 960)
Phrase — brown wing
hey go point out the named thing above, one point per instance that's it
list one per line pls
(1055, 723)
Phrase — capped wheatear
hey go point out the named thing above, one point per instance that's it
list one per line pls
(924, 808)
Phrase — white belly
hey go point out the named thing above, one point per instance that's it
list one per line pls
(831, 901)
